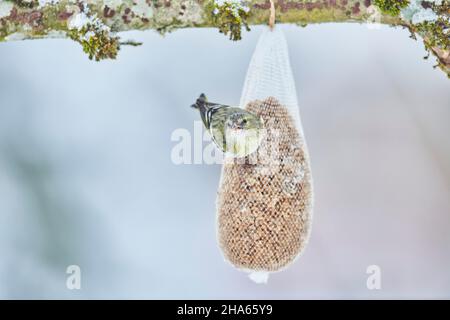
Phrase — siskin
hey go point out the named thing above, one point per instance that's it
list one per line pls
(234, 130)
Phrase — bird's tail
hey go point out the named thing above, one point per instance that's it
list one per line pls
(201, 102)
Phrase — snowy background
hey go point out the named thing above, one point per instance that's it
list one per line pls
(86, 176)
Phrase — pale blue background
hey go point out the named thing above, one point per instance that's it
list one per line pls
(86, 176)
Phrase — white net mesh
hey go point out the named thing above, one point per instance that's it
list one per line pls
(264, 210)
(269, 74)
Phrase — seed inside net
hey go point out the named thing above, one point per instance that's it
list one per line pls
(264, 202)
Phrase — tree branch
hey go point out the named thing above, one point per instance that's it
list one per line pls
(93, 23)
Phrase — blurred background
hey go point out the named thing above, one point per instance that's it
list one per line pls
(86, 176)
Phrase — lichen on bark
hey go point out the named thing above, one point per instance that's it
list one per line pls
(31, 19)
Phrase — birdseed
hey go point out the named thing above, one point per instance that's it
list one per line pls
(264, 207)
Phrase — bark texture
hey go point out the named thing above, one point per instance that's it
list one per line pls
(31, 19)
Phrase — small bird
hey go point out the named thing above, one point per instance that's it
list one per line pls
(234, 130)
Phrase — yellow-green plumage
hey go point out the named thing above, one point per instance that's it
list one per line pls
(234, 130)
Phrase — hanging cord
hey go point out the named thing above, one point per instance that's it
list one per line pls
(272, 15)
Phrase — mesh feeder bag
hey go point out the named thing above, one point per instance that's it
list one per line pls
(264, 204)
